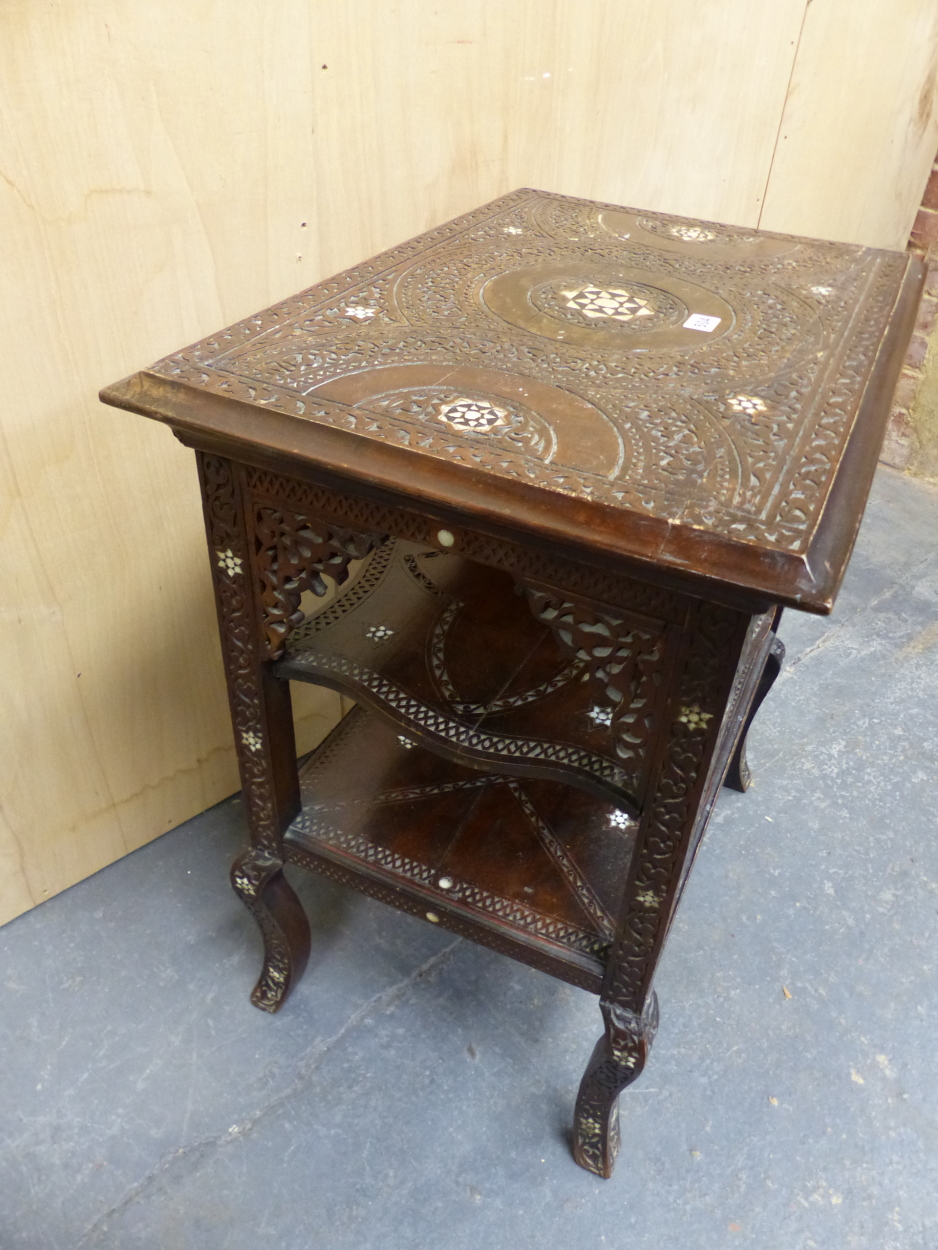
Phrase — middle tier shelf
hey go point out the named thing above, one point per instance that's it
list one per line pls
(485, 673)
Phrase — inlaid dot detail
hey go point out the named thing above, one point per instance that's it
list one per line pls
(445, 538)
(405, 742)
(445, 883)
(433, 917)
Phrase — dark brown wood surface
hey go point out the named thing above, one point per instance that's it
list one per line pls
(561, 463)
(537, 360)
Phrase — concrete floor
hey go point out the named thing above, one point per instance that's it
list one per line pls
(416, 1091)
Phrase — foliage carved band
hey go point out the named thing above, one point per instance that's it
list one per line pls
(365, 516)
(706, 675)
(624, 656)
(228, 550)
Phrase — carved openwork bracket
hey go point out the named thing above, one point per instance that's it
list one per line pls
(291, 554)
(624, 658)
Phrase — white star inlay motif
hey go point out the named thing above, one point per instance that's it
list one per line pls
(619, 820)
(405, 742)
(472, 414)
(358, 312)
(610, 302)
(600, 715)
(750, 404)
(251, 740)
(693, 234)
(378, 633)
(694, 718)
(228, 561)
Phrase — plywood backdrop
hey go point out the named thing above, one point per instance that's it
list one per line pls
(167, 168)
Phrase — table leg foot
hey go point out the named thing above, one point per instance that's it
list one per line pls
(738, 776)
(618, 1058)
(260, 884)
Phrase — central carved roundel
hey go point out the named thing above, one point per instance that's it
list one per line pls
(614, 302)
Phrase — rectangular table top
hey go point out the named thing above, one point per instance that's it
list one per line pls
(671, 394)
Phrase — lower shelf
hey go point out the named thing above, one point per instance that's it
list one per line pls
(534, 869)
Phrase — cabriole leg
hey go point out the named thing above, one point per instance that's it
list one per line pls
(617, 1059)
(738, 776)
(260, 884)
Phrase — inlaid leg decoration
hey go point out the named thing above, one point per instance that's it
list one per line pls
(260, 884)
(738, 776)
(700, 688)
(616, 1061)
(263, 729)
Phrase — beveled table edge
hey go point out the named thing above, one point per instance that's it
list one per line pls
(685, 557)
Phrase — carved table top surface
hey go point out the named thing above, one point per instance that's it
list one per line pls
(678, 393)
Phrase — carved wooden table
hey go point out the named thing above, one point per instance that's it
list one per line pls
(583, 456)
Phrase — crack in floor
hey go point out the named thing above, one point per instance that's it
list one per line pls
(304, 1070)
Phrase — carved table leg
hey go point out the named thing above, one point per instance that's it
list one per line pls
(616, 1061)
(699, 689)
(263, 728)
(260, 884)
(738, 776)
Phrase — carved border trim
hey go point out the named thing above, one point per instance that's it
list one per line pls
(608, 588)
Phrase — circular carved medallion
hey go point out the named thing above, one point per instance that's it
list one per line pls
(630, 307)
(608, 307)
(495, 409)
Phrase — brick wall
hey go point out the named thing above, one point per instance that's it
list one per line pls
(912, 436)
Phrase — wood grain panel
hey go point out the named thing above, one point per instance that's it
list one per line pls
(163, 173)
(860, 127)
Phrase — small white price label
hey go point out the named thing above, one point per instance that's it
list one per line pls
(699, 321)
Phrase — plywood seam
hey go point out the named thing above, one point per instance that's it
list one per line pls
(781, 118)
